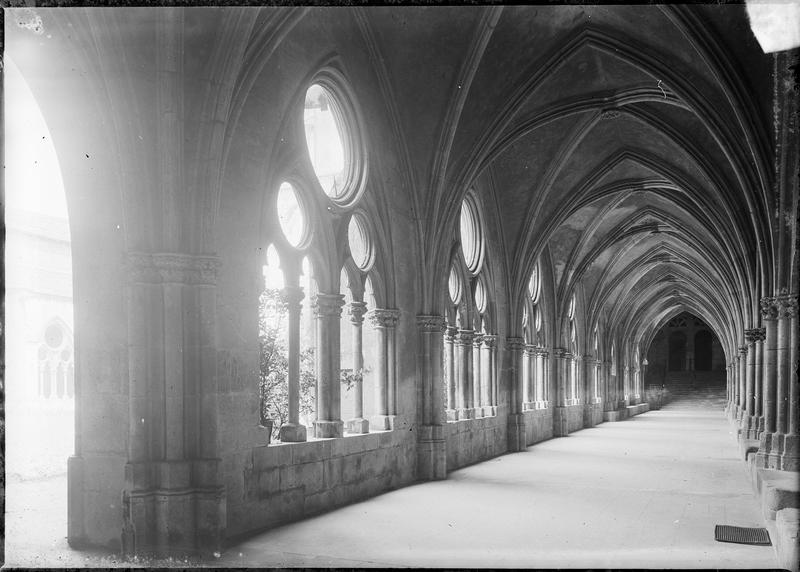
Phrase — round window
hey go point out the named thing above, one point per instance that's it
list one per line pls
(290, 215)
(325, 133)
(454, 286)
(480, 297)
(53, 336)
(360, 243)
(471, 237)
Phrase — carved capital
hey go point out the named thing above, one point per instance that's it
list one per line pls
(477, 339)
(450, 333)
(489, 341)
(140, 268)
(515, 344)
(173, 268)
(464, 337)
(755, 335)
(743, 350)
(769, 308)
(356, 311)
(561, 353)
(383, 317)
(430, 323)
(328, 305)
(786, 305)
(207, 268)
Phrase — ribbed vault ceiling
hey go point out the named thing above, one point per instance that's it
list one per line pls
(624, 143)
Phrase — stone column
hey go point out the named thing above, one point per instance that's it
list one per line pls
(741, 365)
(791, 451)
(749, 400)
(527, 377)
(589, 381)
(734, 375)
(609, 400)
(431, 445)
(516, 421)
(476, 375)
(450, 370)
(540, 381)
(358, 424)
(787, 307)
(172, 465)
(384, 322)
(758, 387)
(463, 342)
(293, 431)
(769, 316)
(487, 347)
(328, 311)
(562, 366)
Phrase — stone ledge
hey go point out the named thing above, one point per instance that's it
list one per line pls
(787, 541)
(616, 415)
(637, 409)
(778, 489)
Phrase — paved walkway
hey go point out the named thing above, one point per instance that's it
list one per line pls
(644, 493)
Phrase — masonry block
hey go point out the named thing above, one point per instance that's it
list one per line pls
(787, 541)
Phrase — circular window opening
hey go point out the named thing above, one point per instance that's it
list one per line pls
(480, 297)
(360, 242)
(53, 336)
(454, 286)
(326, 137)
(471, 237)
(290, 215)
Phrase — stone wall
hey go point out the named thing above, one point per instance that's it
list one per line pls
(574, 417)
(538, 425)
(275, 484)
(472, 440)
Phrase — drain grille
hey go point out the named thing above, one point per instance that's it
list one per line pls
(741, 535)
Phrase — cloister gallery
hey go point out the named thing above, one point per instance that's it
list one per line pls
(319, 254)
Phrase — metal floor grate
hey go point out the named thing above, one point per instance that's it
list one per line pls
(741, 535)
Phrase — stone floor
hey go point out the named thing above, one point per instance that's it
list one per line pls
(644, 493)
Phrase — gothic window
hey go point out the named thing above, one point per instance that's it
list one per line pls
(335, 144)
(469, 342)
(317, 293)
(56, 364)
(290, 215)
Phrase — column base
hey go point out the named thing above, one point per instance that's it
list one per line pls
(615, 415)
(173, 508)
(431, 453)
(94, 486)
(466, 414)
(292, 433)
(790, 458)
(357, 425)
(769, 451)
(382, 422)
(328, 429)
(516, 432)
